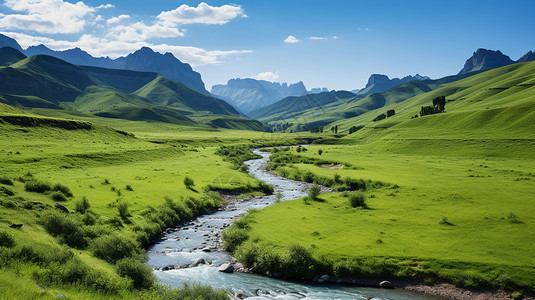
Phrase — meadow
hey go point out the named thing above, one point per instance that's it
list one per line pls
(463, 216)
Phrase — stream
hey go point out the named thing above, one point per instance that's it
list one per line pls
(190, 252)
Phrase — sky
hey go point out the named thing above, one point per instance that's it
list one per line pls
(335, 44)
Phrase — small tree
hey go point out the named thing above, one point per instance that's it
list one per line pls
(278, 198)
(314, 192)
(357, 199)
(188, 182)
(320, 151)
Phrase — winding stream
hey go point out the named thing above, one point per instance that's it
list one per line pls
(189, 253)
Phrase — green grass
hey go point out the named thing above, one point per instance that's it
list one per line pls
(474, 192)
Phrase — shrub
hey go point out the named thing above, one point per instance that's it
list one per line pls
(188, 182)
(141, 274)
(233, 237)
(66, 227)
(114, 247)
(37, 186)
(62, 188)
(58, 197)
(82, 206)
(320, 151)
(129, 188)
(6, 240)
(314, 192)
(195, 291)
(278, 198)
(357, 199)
(7, 191)
(298, 262)
(122, 208)
(6, 180)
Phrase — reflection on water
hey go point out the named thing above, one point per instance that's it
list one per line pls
(188, 253)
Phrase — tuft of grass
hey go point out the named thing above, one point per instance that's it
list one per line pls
(6, 180)
(58, 197)
(37, 186)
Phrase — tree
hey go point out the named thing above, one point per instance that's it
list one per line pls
(320, 151)
(188, 182)
(439, 103)
(314, 192)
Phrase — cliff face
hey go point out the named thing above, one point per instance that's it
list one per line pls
(484, 59)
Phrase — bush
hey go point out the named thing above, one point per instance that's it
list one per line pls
(299, 262)
(141, 274)
(357, 199)
(7, 191)
(62, 188)
(82, 206)
(37, 186)
(114, 247)
(195, 291)
(314, 192)
(129, 188)
(320, 151)
(6, 180)
(66, 227)
(6, 240)
(233, 237)
(122, 208)
(188, 182)
(58, 197)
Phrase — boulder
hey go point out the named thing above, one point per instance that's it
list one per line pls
(62, 208)
(226, 268)
(200, 262)
(386, 284)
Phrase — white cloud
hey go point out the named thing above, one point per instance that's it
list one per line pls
(99, 18)
(267, 76)
(318, 38)
(105, 6)
(116, 19)
(140, 32)
(47, 16)
(202, 14)
(291, 40)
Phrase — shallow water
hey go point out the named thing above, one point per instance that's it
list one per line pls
(188, 253)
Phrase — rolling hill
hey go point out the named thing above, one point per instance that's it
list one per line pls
(43, 81)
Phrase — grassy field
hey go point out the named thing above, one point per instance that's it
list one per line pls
(134, 184)
(462, 215)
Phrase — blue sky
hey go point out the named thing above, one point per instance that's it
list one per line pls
(333, 44)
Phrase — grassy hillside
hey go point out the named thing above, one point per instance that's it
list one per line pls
(456, 201)
(306, 112)
(132, 189)
(10, 56)
(46, 82)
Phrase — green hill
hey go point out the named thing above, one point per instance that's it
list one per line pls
(496, 103)
(46, 82)
(10, 56)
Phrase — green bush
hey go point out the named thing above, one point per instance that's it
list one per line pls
(122, 208)
(58, 197)
(66, 227)
(6, 240)
(357, 199)
(37, 186)
(7, 191)
(114, 247)
(233, 237)
(62, 188)
(188, 182)
(140, 273)
(298, 262)
(314, 192)
(82, 206)
(6, 180)
(195, 291)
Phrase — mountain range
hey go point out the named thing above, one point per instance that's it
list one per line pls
(484, 59)
(145, 59)
(378, 83)
(46, 82)
(249, 94)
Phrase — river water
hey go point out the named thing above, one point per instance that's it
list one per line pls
(189, 253)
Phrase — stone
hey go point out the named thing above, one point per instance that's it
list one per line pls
(207, 249)
(200, 262)
(226, 268)
(386, 284)
(325, 278)
(62, 208)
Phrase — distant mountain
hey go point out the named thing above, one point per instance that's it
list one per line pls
(6, 41)
(484, 59)
(43, 81)
(378, 83)
(248, 94)
(145, 60)
(318, 90)
(10, 56)
(530, 56)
